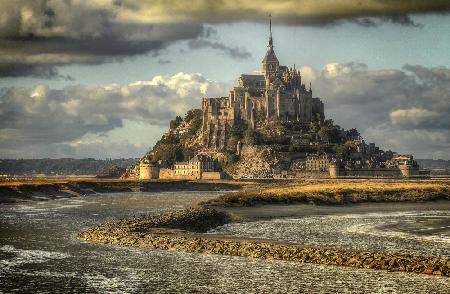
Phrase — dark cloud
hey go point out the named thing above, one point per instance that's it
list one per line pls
(404, 20)
(234, 52)
(291, 12)
(37, 37)
(164, 61)
(407, 109)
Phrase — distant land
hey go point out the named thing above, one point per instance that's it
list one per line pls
(61, 166)
(434, 163)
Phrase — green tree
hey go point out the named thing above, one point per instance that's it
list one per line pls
(176, 122)
(328, 123)
(260, 114)
(195, 121)
(329, 134)
(169, 153)
(324, 135)
(251, 137)
(314, 127)
(193, 114)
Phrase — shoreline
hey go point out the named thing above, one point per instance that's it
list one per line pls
(338, 192)
(173, 231)
(19, 192)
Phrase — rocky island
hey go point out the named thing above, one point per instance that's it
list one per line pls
(269, 125)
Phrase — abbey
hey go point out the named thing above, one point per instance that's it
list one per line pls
(277, 93)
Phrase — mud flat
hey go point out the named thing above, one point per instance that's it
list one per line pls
(185, 231)
(46, 191)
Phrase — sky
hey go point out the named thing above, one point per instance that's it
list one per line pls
(103, 78)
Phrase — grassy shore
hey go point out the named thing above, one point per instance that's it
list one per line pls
(340, 192)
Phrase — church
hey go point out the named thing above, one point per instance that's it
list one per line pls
(277, 93)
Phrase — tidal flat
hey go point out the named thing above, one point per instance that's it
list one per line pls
(39, 250)
(297, 239)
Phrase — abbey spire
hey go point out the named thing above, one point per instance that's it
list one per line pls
(270, 62)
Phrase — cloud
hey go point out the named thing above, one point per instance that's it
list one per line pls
(98, 148)
(406, 108)
(37, 37)
(419, 142)
(40, 115)
(413, 116)
(290, 12)
(234, 52)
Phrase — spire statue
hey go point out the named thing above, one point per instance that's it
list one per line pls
(270, 32)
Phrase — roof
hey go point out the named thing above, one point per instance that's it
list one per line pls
(196, 158)
(270, 56)
(252, 77)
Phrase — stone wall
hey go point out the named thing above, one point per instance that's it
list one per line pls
(166, 173)
(312, 174)
(212, 176)
(169, 174)
(335, 172)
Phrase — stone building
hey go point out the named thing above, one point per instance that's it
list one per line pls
(278, 93)
(317, 162)
(195, 167)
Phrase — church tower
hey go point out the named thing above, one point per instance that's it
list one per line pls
(270, 62)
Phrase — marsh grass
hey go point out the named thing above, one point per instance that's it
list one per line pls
(341, 192)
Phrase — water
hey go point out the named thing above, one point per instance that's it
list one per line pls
(424, 233)
(38, 253)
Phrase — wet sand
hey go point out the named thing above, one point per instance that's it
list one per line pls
(271, 211)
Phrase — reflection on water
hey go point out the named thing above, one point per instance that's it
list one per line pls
(38, 252)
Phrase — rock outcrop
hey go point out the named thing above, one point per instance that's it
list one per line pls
(255, 161)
